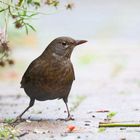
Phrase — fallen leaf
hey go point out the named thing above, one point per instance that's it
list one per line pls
(71, 128)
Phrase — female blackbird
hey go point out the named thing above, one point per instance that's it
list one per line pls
(50, 76)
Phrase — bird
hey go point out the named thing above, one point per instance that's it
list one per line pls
(51, 75)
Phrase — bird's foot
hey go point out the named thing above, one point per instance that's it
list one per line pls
(18, 119)
(69, 118)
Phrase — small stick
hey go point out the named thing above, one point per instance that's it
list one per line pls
(118, 125)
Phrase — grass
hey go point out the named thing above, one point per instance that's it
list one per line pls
(110, 115)
(101, 129)
(103, 125)
(108, 118)
(8, 120)
(8, 132)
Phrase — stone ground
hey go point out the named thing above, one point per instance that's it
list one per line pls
(107, 84)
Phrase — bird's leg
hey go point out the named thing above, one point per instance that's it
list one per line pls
(30, 105)
(69, 116)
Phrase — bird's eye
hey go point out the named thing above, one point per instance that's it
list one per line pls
(64, 43)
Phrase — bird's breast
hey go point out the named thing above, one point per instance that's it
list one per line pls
(49, 80)
(57, 81)
(61, 73)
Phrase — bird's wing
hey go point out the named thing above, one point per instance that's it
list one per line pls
(32, 72)
(37, 72)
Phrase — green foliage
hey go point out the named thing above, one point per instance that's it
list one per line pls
(20, 12)
(101, 129)
(7, 133)
(110, 115)
(8, 120)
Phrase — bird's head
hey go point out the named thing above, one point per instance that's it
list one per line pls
(63, 46)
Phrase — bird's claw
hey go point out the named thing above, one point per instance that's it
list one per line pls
(18, 119)
(69, 118)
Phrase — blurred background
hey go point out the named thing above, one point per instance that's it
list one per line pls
(107, 67)
(109, 59)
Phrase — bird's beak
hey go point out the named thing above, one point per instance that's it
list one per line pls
(78, 42)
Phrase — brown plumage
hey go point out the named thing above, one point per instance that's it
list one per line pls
(50, 76)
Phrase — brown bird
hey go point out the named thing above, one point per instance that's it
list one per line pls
(50, 76)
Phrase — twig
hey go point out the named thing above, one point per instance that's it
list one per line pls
(119, 125)
(16, 7)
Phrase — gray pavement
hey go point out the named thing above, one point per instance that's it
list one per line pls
(111, 83)
(43, 123)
